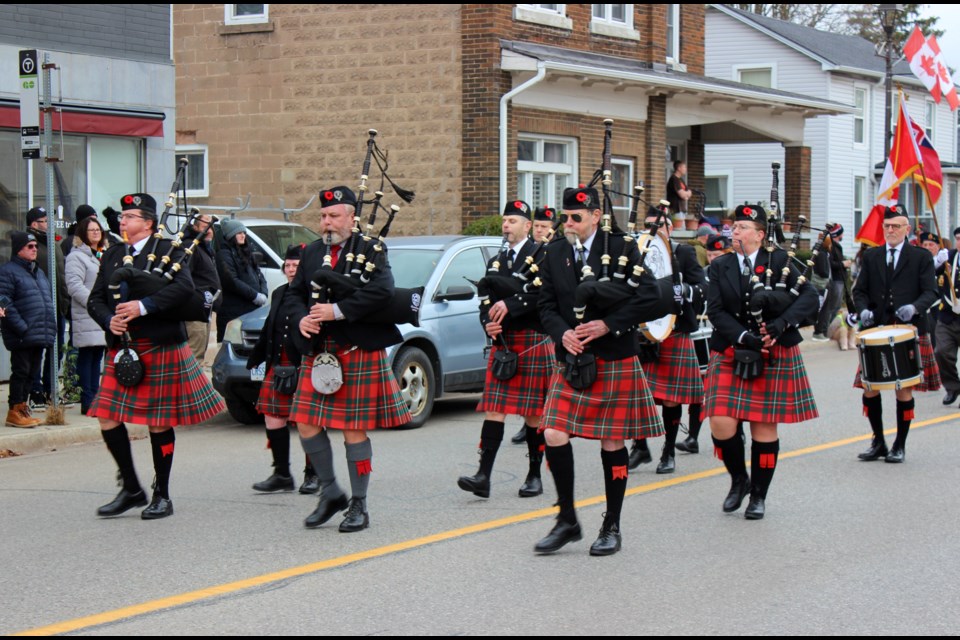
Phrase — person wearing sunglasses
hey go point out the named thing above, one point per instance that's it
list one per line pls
(896, 285)
(28, 326)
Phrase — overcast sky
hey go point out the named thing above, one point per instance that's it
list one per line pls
(949, 42)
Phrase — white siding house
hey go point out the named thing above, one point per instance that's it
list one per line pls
(845, 149)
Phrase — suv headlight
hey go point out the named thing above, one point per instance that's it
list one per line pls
(232, 333)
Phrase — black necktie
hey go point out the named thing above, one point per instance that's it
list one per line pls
(890, 261)
(746, 273)
(511, 257)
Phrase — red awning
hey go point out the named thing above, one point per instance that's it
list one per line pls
(108, 124)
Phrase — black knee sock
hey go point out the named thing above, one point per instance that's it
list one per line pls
(535, 446)
(763, 462)
(279, 442)
(491, 435)
(162, 445)
(118, 444)
(873, 409)
(641, 443)
(671, 427)
(695, 420)
(615, 482)
(904, 418)
(732, 454)
(560, 460)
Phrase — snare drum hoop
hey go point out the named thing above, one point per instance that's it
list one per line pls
(660, 329)
(879, 336)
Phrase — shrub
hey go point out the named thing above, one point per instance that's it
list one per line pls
(488, 226)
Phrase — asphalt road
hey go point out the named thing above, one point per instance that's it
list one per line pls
(846, 547)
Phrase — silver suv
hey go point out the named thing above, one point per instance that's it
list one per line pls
(445, 354)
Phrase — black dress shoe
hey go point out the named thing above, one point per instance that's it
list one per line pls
(532, 486)
(325, 510)
(311, 484)
(562, 533)
(608, 542)
(639, 454)
(690, 445)
(739, 489)
(877, 450)
(160, 507)
(124, 501)
(478, 485)
(275, 482)
(896, 455)
(950, 398)
(520, 436)
(356, 519)
(667, 465)
(755, 508)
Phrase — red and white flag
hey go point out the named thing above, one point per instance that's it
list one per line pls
(944, 81)
(927, 63)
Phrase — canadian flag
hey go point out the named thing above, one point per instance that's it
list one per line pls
(926, 62)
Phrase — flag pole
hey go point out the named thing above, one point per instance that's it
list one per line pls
(926, 191)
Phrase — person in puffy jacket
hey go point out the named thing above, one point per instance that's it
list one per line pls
(244, 287)
(28, 325)
(82, 267)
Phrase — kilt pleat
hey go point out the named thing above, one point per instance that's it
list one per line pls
(174, 390)
(525, 393)
(928, 363)
(368, 399)
(781, 395)
(675, 375)
(618, 406)
(269, 402)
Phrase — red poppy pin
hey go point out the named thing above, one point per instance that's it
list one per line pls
(760, 269)
(518, 205)
(127, 199)
(548, 213)
(328, 195)
(581, 197)
(718, 245)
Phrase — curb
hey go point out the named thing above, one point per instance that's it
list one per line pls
(52, 437)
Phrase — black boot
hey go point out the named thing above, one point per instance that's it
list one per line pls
(904, 418)
(732, 453)
(763, 461)
(639, 454)
(690, 444)
(533, 485)
(491, 435)
(873, 409)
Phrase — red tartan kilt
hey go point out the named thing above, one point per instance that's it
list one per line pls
(368, 399)
(271, 403)
(525, 393)
(928, 363)
(781, 394)
(174, 390)
(675, 376)
(618, 406)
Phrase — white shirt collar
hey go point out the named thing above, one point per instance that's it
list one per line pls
(138, 246)
(752, 256)
(516, 248)
(896, 247)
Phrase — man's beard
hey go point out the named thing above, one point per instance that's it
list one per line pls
(571, 237)
(334, 237)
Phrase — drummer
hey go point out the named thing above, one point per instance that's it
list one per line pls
(896, 285)
(674, 376)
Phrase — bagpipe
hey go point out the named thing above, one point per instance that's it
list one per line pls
(131, 283)
(364, 254)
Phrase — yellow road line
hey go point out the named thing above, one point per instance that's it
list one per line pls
(190, 597)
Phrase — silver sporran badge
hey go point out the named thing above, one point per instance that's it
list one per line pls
(326, 374)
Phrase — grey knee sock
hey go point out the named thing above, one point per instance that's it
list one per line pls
(358, 463)
(320, 454)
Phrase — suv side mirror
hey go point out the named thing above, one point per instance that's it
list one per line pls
(455, 292)
(258, 258)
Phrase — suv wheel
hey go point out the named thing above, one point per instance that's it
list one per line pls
(414, 373)
(244, 412)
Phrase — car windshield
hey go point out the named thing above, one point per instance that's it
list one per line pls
(280, 237)
(412, 267)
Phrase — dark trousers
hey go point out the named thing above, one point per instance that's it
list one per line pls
(948, 341)
(42, 382)
(831, 304)
(24, 367)
(89, 360)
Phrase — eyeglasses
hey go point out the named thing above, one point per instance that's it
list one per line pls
(894, 227)
(129, 216)
(32, 245)
(576, 217)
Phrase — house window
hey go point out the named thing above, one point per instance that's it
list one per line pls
(859, 118)
(859, 185)
(673, 32)
(245, 13)
(756, 76)
(717, 190)
(549, 15)
(930, 119)
(622, 184)
(546, 165)
(197, 174)
(614, 20)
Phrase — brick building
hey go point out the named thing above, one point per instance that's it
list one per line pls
(476, 103)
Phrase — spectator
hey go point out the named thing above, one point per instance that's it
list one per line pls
(28, 324)
(83, 211)
(82, 267)
(677, 190)
(837, 270)
(203, 268)
(244, 287)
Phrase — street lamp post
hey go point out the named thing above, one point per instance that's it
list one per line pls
(888, 16)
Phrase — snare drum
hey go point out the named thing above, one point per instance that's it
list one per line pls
(890, 357)
(701, 344)
(658, 330)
